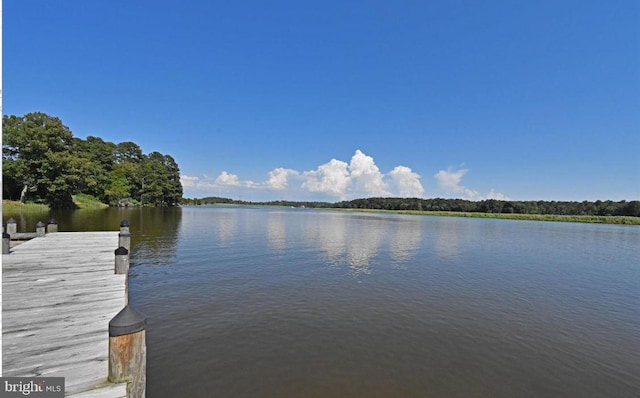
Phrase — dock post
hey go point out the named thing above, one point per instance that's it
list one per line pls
(128, 351)
(39, 229)
(122, 261)
(6, 243)
(124, 240)
(12, 227)
(124, 226)
(52, 226)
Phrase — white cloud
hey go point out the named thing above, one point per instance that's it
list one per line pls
(331, 178)
(449, 180)
(359, 178)
(227, 180)
(407, 182)
(188, 181)
(278, 178)
(366, 176)
(496, 195)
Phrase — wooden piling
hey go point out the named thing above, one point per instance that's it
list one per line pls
(12, 226)
(122, 260)
(124, 226)
(6, 243)
(40, 229)
(128, 351)
(124, 240)
(52, 226)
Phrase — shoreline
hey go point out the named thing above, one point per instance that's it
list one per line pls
(585, 219)
(10, 207)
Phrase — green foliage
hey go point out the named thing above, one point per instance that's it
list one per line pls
(592, 219)
(43, 162)
(11, 207)
(210, 200)
(215, 199)
(160, 180)
(492, 206)
(118, 186)
(127, 152)
(593, 212)
(95, 162)
(84, 201)
(36, 150)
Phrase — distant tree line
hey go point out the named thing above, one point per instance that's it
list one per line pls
(211, 200)
(44, 163)
(214, 200)
(597, 208)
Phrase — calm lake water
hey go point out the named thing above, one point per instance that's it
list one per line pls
(246, 302)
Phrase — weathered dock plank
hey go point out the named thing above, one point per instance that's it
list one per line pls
(109, 391)
(59, 294)
(23, 235)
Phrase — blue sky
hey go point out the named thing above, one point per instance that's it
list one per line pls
(335, 100)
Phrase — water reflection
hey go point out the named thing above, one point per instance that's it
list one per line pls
(352, 240)
(362, 247)
(406, 239)
(276, 231)
(355, 240)
(329, 232)
(225, 225)
(447, 232)
(154, 231)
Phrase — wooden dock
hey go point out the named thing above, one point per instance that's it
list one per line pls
(59, 293)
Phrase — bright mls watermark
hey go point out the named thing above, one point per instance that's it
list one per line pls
(41, 387)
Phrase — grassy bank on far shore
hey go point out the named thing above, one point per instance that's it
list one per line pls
(533, 217)
(82, 201)
(14, 206)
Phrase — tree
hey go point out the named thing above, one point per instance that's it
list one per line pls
(43, 162)
(36, 158)
(127, 152)
(96, 161)
(119, 187)
(172, 187)
(160, 180)
(630, 209)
